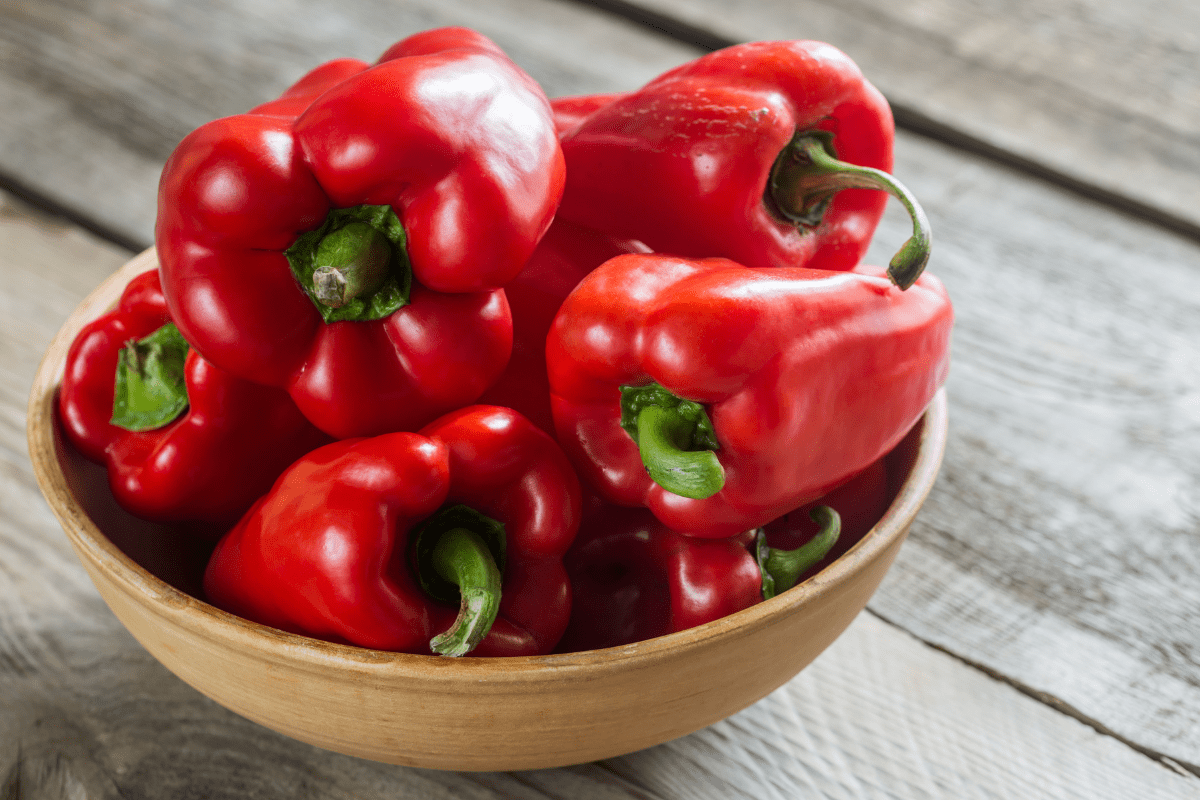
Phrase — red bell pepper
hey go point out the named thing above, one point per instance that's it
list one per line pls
(722, 397)
(566, 254)
(563, 257)
(860, 502)
(346, 241)
(448, 541)
(181, 439)
(759, 153)
(633, 578)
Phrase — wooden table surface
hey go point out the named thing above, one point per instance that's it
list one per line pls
(1039, 635)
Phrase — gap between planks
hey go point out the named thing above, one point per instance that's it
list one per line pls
(31, 197)
(1180, 767)
(907, 118)
(1186, 769)
(914, 121)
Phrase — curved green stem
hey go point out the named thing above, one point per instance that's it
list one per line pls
(808, 174)
(462, 558)
(663, 439)
(782, 568)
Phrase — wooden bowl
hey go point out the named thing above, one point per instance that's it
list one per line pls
(462, 714)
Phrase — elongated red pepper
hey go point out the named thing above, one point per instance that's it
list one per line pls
(346, 241)
(721, 396)
(633, 578)
(759, 153)
(185, 440)
(449, 541)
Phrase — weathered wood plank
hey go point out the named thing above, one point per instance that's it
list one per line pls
(1060, 546)
(1100, 94)
(84, 711)
(881, 716)
(96, 95)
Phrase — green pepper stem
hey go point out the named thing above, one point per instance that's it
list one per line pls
(663, 436)
(782, 568)
(150, 389)
(351, 262)
(808, 174)
(462, 558)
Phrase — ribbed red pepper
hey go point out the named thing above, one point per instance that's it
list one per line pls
(345, 241)
(759, 153)
(721, 397)
(860, 502)
(454, 534)
(221, 442)
(634, 578)
(566, 254)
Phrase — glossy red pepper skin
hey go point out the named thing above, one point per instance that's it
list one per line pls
(634, 579)
(808, 376)
(209, 464)
(683, 163)
(446, 131)
(324, 553)
(569, 112)
(860, 503)
(566, 254)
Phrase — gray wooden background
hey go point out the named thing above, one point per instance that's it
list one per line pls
(1039, 636)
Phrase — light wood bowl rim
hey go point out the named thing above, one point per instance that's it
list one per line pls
(300, 652)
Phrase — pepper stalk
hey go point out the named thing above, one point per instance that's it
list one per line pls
(675, 438)
(150, 389)
(781, 569)
(458, 557)
(354, 266)
(351, 262)
(806, 176)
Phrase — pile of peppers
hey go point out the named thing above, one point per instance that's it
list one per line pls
(446, 367)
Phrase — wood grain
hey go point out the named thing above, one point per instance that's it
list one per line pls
(97, 94)
(882, 716)
(1102, 96)
(85, 711)
(1060, 549)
